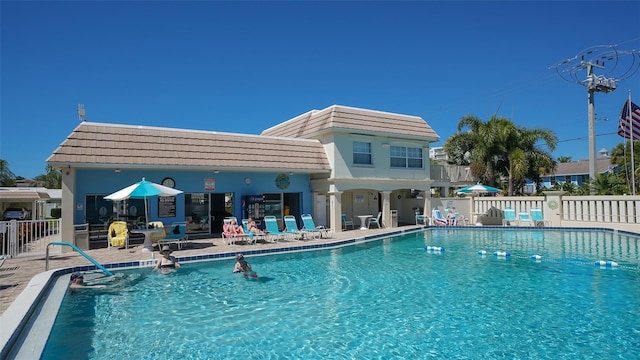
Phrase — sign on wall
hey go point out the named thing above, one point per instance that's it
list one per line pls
(209, 184)
(166, 206)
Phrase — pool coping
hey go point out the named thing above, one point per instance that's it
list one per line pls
(20, 313)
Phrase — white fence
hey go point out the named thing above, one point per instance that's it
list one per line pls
(615, 212)
(28, 237)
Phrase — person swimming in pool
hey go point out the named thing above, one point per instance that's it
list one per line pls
(166, 262)
(242, 266)
(77, 282)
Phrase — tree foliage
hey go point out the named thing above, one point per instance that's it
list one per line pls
(51, 180)
(7, 178)
(621, 157)
(498, 150)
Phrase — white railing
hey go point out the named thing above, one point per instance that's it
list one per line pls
(28, 237)
(616, 212)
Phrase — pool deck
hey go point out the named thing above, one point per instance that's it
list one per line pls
(16, 273)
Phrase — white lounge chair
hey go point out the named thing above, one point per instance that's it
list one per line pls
(437, 218)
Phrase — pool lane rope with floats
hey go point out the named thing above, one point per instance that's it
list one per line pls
(602, 264)
(433, 249)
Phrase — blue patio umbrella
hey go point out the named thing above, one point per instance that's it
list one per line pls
(143, 190)
(478, 189)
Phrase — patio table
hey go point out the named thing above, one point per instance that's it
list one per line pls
(363, 221)
(147, 245)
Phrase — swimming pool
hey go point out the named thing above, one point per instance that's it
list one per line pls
(382, 299)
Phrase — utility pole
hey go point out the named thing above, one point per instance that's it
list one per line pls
(594, 84)
(595, 58)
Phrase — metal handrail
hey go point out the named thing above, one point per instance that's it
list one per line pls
(97, 264)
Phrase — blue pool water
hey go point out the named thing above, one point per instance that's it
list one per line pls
(378, 300)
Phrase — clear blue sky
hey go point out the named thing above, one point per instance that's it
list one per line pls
(245, 66)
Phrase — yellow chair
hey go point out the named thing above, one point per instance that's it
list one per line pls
(155, 237)
(118, 234)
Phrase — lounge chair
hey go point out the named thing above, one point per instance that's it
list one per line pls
(118, 234)
(438, 218)
(347, 222)
(375, 220)
(291, 227)
(177, 234)
(524, 218)
(311, 228)
(230, 236)
(538, 218)
(509, 217)
(271, 224)
(253, 236)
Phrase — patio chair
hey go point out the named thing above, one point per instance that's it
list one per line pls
(229, 233)
(253, 236)
(177, 234)
(156, 237)
(375, 220)
(347, 222)
(421, 218)
(538, 218)
(311, 228)
(291, 227)
(509, 216)
(118, 234)
(524, 218)
(271, 224)
(438, 218)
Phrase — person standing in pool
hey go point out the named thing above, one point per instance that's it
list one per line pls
(166, 261)
(242, 266)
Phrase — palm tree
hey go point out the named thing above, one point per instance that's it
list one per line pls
(52, 180)
(526, 158)
(608, 184)
(499, 148)
(621, 156)
(478, 146)
(564, 159)
(7, 178)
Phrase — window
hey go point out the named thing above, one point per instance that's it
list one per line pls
(406, 157)
(567, 179)
(361, 153)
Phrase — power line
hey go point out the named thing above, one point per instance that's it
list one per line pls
(586, 137)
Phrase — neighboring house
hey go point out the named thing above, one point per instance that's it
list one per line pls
(37, 200)
(437, 153)
(323, 162)
(576, 172)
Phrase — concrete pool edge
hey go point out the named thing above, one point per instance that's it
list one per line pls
(18, 317)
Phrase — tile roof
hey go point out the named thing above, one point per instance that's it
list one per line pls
(581, 167)
(108, 145)
(342, 118)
